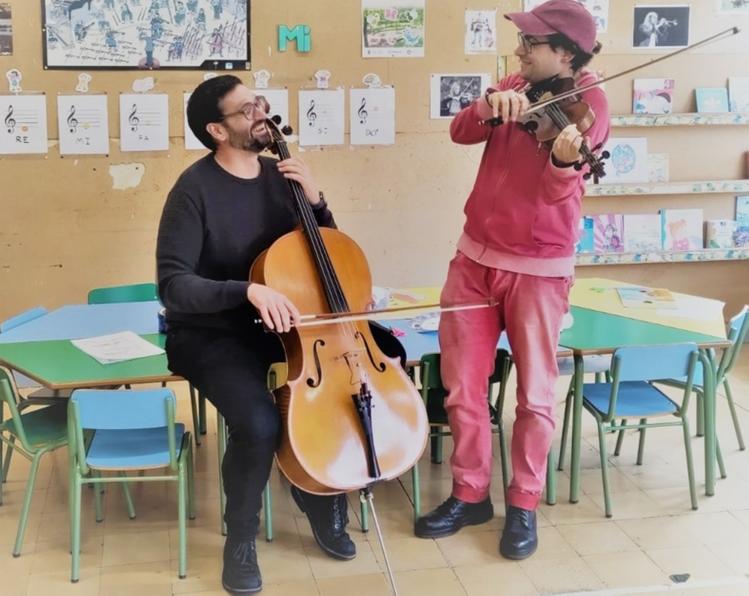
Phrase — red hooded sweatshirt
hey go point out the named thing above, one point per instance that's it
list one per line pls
(523, 212)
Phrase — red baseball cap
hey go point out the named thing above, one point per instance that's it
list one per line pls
(568, 17)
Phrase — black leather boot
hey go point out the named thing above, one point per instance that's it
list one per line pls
(519, 538)
(451, 516)
(327, 517)
(241, 574)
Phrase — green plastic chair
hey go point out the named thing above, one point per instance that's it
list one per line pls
(32, 434)
(632, 394)
(132, 431)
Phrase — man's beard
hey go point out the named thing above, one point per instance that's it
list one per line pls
(258, 140)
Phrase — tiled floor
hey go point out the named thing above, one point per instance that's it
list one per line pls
(653, 535)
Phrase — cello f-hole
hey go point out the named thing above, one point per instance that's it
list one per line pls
(379, 367)
(312, 382)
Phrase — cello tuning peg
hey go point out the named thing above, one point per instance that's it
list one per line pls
(287, 130)
(276, 118)
(605, 155)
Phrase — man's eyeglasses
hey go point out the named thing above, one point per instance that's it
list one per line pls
(249, 110)
(529, 43)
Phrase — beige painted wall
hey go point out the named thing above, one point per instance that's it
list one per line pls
(65, 229)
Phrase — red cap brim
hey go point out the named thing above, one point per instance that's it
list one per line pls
(529, 23)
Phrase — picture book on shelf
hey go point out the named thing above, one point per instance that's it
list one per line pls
(681, 229)
(711, 100)
(585, 237)
(719, 233)
(741, 236)
(642, 233)
(738, 94)
(652, 96)
(608, 229)
(628, 162)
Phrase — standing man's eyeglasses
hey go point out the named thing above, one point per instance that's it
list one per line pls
(259, 104)
(529, 43)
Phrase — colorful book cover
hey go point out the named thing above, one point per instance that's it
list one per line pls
(738, 94)
(628, 163)
(608, 233)
(658, 167)
(585, 235)
(741, 237)
(719, 233)
(711, 100)
(681, 229)
(652, 96)
(642, 233)
(637, 297)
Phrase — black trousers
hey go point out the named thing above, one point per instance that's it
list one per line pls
(230, 370)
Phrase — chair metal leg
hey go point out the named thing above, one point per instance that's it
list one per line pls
(128, 497)
(719, 457)
(604, 469)
(6, 462)
(551, 480)
(700, 414)
(690, 464)
(364, 512)
(75, 528)
(98, 491)
(416, 485)
(565, 424)
(641, 446)
(268, 513)
(26, 504)
(195, 417)
(190, 482)
(221, 449)
(620, 439)
(734, 417)
(181, 511)
(436, 446)
(201, 409)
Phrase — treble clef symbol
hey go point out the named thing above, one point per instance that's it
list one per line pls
(363, 114)
(311, 114)
(72, 121)
(132, 119)
(10, 122)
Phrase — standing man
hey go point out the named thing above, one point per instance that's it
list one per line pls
(517, 248)
(223, 211)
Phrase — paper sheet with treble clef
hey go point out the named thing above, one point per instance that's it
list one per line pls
(23, 124)
(321, 117)
(372, 116)
(144, 122)
(83, 124)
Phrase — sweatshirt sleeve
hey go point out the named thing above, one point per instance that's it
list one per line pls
(178, 249)
(559, 180)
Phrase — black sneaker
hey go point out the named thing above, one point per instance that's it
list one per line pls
(241, 574)
(327, 517)
(519, 538)
(451, 516)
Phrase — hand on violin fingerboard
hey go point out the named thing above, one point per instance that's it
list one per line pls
(276, 310)
(508, 105)
(566, 148)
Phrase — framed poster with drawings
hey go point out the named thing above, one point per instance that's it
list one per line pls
(146, 34)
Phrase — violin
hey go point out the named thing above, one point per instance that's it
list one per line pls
(351, 416)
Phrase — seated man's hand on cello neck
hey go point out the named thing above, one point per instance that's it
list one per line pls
(276, 310)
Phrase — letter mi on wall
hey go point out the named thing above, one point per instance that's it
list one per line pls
(301, 35)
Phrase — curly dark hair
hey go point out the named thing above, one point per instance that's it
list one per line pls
(203, 106)
(580, 57)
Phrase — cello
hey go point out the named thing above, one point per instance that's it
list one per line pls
(351, 416)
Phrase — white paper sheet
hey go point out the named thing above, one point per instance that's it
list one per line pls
(279, 102)
(372, 116)
(117, 347)
(23, 124)
(191, 141)
(321, 117)
(144, 122)
(393, 28)
(481, 32)
(83, 123)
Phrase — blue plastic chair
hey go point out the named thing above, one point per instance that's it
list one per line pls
(133, 430)
(631, 394)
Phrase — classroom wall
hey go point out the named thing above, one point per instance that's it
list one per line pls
(66, 229)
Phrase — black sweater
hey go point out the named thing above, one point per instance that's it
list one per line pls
(214, 225)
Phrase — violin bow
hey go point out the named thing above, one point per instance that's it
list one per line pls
(347, 317)
(546, 102)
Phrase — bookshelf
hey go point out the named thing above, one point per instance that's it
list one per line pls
(687, 119)
(668, 188)
(704, 255)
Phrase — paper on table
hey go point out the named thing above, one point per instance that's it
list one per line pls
(693, 307)
(116, 347)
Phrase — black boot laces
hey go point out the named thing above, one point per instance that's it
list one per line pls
(340, 515)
